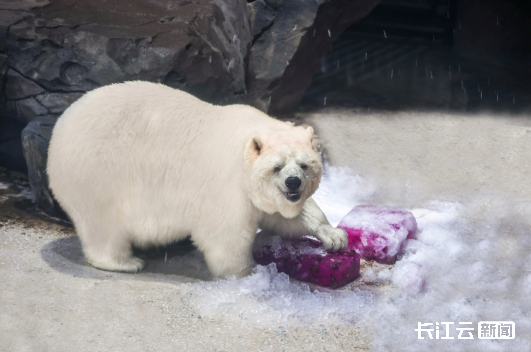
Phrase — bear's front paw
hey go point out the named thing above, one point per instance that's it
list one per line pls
(333, 239)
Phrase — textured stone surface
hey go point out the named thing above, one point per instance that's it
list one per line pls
(220, 51)
(19, 87)
(288, 48)
(28, 109)
(197, 46)
(35, 141)
(56, 103)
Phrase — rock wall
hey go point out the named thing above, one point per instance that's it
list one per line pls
(290, 38)
(59, 51)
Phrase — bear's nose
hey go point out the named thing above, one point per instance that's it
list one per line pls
(293, 183)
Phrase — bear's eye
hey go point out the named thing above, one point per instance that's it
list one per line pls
(304, 166)
(276, 169)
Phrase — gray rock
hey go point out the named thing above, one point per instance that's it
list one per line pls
(19, 87)
(261, 16)
(56, 103)
(7, 19)
(76, 47)
(28, 109)
(287, 51)
(35, 141)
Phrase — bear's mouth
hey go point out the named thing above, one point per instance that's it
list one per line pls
(293, 197)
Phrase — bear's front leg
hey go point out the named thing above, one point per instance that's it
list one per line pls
(310, 221)
(227, 249)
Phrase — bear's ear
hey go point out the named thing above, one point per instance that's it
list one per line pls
(253, 148)
(309, 130)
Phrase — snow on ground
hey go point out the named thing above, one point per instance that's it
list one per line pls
(267, 297)
(467, 265)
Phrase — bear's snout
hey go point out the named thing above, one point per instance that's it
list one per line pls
(293, 183)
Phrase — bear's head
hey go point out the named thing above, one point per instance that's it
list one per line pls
(285, 169)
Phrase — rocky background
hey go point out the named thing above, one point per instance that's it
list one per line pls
(262, 52)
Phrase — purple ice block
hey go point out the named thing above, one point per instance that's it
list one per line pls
(378, 233)
(305, 259)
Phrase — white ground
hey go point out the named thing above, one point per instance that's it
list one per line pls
(463, 177)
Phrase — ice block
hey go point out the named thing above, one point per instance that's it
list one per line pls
(305, 259)
(378, 233)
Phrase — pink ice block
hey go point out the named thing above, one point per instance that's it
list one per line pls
(378, 233)
(305, 259)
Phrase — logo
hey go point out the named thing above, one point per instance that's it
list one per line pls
(486, 330)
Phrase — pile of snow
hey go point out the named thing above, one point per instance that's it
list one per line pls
(469, 263)
(268, 298)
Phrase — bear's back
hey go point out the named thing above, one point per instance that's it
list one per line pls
(141, 142)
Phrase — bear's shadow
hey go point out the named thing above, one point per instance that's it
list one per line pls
(177, 263)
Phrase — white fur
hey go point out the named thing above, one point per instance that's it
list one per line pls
(144, 164)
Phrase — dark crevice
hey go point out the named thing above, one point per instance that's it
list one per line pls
(160, 20)
(265, 29)
(14, 24)
(43, 87)
(38, 102)
(175, 80)
(82, 24)
(156, 35)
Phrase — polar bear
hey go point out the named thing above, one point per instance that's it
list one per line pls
(142, 164)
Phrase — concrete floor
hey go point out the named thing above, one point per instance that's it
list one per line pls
(418, 156)
(50, 301)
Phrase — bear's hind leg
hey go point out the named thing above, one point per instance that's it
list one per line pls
(108, 249)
